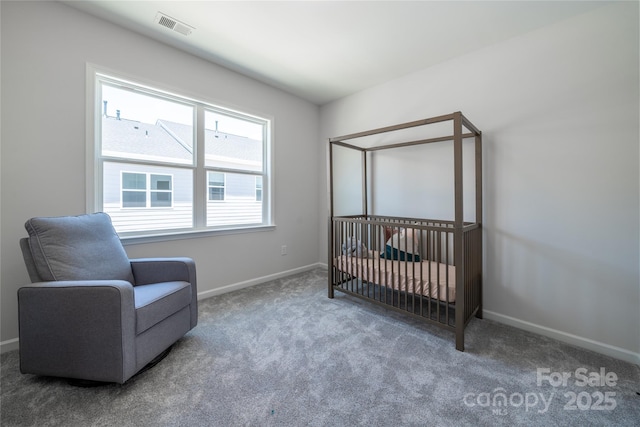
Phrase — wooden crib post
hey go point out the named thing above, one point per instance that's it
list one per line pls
(330, 257)
(458, 236)
(478, 253)
(330, 232)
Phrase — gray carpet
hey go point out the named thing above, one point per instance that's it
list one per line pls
(283, 354)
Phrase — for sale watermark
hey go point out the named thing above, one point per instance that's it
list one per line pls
(589, 391)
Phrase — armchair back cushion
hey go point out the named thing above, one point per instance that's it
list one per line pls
(84, 247)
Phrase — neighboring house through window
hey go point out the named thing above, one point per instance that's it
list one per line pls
(171, 163)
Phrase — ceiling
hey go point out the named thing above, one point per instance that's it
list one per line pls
(325, 50)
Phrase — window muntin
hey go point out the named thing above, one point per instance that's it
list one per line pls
(147, 133)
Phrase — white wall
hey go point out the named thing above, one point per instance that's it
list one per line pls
(45, 49)
(559, 112)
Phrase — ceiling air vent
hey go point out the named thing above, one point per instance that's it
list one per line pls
(173, 24)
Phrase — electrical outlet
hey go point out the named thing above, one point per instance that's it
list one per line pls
(283, 250)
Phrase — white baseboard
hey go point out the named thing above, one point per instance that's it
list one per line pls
(256, 281)
(8, 345)
(598, 347)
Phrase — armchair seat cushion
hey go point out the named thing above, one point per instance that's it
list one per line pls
(156, 302)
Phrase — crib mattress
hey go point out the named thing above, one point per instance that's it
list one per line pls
(428, 278)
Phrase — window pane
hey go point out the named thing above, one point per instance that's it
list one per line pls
(216, 193)
(145, 127)
(134, 181)
(233, 143)
(216, 178)
(239, 203)
(160, 182)
(160, 199)
(134, 199)
(172, 209)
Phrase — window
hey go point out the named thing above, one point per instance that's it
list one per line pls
(134, 190)
(136, 193)
(258, 188)
(166, 164)
(216, 186)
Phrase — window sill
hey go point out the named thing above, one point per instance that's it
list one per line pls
(191, 234)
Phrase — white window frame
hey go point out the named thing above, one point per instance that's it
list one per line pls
(95, 75)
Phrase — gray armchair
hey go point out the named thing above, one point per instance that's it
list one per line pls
(90, 312)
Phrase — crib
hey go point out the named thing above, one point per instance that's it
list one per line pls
(426, 268)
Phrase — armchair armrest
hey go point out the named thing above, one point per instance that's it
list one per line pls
(157, 270)
(91, 323)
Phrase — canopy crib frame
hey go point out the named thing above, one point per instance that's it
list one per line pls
(429, 269)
